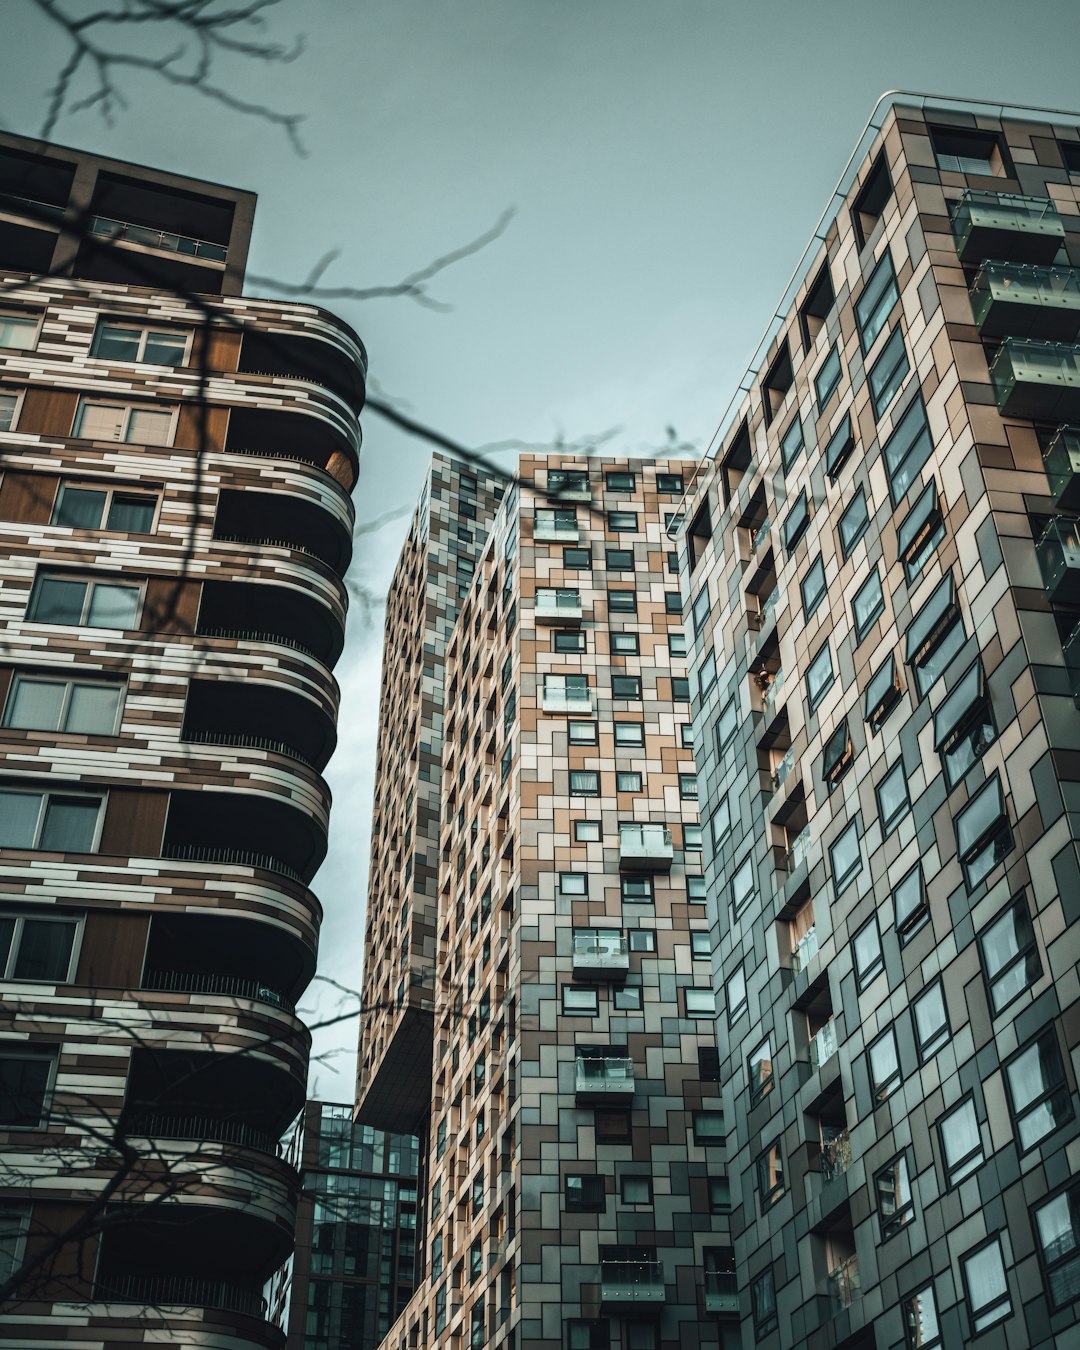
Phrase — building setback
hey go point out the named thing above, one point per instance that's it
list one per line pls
(881, 562)
(353, 1269)
(175, 522)
(573, 1181)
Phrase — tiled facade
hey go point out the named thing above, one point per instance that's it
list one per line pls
(881, 563)
(354, 1266)
(176, 522)
(573, 1183)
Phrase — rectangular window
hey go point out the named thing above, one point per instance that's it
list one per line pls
(584, 1194)
(579, 1001)
(708, 1127)
(983, 836)
(126, 342)
(909, 903)
(86, 508)
(18, 332)
(700, 947)
(892, 799)
(695, 891)
(567, 640)
(964, 150)
(50, 821)
(629, 733)
(867, 606)
(577, 559)
(35, 947)
(935, 635)
(763, 1302)
(874, 305)
(742, 885)
(669, 482)
(9, 406)
(735, 995)
(79, 602)
(641, 940)
(961, 1141)
(620, 559)
(1010, 955)
(14, 1226)
(625, 644)
(882, 695)
(686, 735)
(1057, 1227)
(760, 1072)
(838, 756)
(573, 883)
(819, 677)
(584, 783)
(839, 448)
(636, 890)
(792, 443)
(145, 425)
(986, 1286)
(827, 378)
(673, 602)
(691, 835)
(26, 1080)
(612, 1127)
(581, 733)
(963, 725)
(726, 726)
(920, 532)
(701, 609)
(719, 1195)
(89, 708)
(907, 449)
(626, 686)
(1038, 1091)
(622, 602)
(795, 523)
(884, 1062)
(888, 372)
(622, 522)
(680, 689)
(636, 1190)
(853, 523)
(846, 856)
(619, 482)
(562, 482)
(626, 999)
(706, 675)
(866, 949)
(813, 587)
(627, 781)
(921, 1320)
(586, 831)
(896, 1208)
(676, 642)
(932, 1029)
(700, 1003)
(770, 1177)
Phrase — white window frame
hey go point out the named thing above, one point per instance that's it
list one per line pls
(16, 412)
(144, 329)
(109, 491)
(40, 916)
(37, 316)
(117, 579)
(27, 1050)
(173, 409)
(700, 1003)
(44, 795)
(69, 682)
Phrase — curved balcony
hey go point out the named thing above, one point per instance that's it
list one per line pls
(258, 716)
(323, 356)
(251, 611)
(332, 444)
(270, 520)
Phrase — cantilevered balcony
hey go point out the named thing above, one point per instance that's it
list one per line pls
(603, 1078)
(645, 848)
(1061, 459)
(1006, 225)
(601, 956)
(632, 1283)
(1058, 552)
(721, 1292)
(558, 606)
(1011, 299)
(556, 526)
(1040, 380)
(568, 697)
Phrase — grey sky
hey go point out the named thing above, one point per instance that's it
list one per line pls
(668, 161)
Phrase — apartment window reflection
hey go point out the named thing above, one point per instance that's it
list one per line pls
(961, 1141)
(1010, 955)
(884, 1061)
(1038, 1090)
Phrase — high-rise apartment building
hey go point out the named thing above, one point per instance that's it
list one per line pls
(175, 523)
(882, 570)
(353, 1270)
(572, 1183)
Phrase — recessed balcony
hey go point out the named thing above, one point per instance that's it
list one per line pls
(248, 611)
(1006, 225)
(601, 956)
(823, 1045)
(1039, 380)
(258, 716)
(721, 1292)
(632, 1284)
(556, 527)
(558, 606)
(327, 442)
(645, 848)
(273, 519)
(804, 951)
(843, 1285)
(245, 830)
(1061, 459)
(301, 356)
(603, 1078)
(1058, 552)
(1026, 300)
(180, 1291)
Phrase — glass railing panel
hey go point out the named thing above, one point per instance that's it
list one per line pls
(805, 950)
(823, 1045)
(783, 768)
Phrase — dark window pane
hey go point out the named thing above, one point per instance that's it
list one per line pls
(79, 509)
(44, 950)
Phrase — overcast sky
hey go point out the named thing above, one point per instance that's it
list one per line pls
(667, 160)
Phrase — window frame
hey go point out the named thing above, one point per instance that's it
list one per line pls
(648, 890)
(864, 625)
(9, 960)
(28, 1050)
(89, 401)
(760, 1086)
(580, 838)
(626, 602)
(904, 1214)
(588, 1203)
(992, 844)
(928, 635)
(635, 1177)
(878, 314)
(883, 1088)
(616, 522)
(144, 330)
(815, 697)
(769, 1162)
(17, 397)
(961, 1168)
(823, 397)
(1017, 904)
(889, 823)
(913, 1317)
(109, 492)
(791, 449)
(881, 396)
(628, 735)
(1071, 1196)
(796, 523)
(964, 728)
(942, 1035)
(619, 566)
(580, 989)
(625, 643)
(978, 1317)
(90, 583)
(839, 448)
(864, 976)
(902, 473)
(33, 319)
(1046, 1036)
(582, 731)
(578, 791)
(811, 606)
(69, 683)
(47, 795)
(695, 994)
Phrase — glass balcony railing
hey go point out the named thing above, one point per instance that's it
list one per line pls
(632, 1282)
(1058, 552)
(783, 768)
(551, 528)
(823, 1045)
(604, 1077)
(1011, 299)
(721, 1291)
(645, 848)
(768, 609)
(557, 698)
(608, 955)
(844, 1286)
(805, 950)
(760, 535)
(1061, 459)
(10, 201)
(1006, 225)
(771, 693)
(1040, 380)
(558, 606)
(122, 231)
(800, 846)
(835, 1154)
(1071, 649)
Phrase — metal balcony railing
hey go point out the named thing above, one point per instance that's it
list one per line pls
(180, 1291)
(823, 1045)
(12, 201)
(192, 982)
(162, 1125)
(231, 857)
(244, 740)
(123, 231)
(257, 635)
